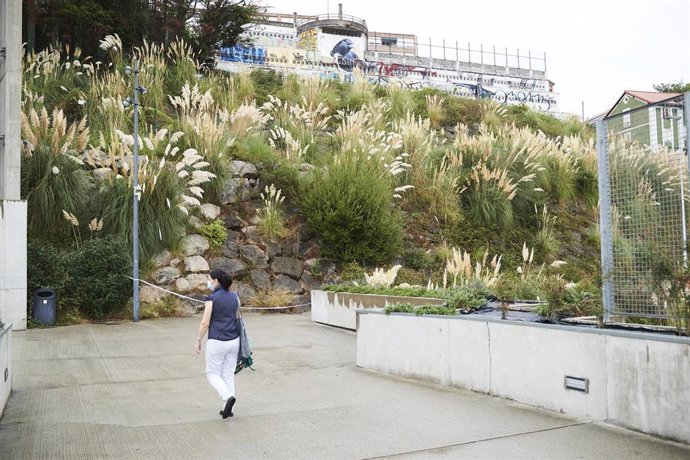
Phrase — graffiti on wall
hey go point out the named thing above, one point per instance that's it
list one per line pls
(540, 99)
(249, 54)
(308, 40)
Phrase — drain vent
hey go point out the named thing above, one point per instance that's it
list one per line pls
(576, 383)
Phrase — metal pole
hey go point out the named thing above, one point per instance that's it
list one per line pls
(444, 49)
(682, 209)
(605, 220)
(135, 215)
(544, 65)
(494, 55)
(686, 117)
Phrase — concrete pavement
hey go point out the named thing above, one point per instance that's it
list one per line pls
(138, 391)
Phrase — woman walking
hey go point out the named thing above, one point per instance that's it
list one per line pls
(223, 345)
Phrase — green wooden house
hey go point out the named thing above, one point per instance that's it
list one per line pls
(653, 119)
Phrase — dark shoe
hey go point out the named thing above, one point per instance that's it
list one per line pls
(227, 411)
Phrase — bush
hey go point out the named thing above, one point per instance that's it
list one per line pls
(419, 311)
(412, 277)
(352, 272)
(416, 259)
(215, 232)
(465, 299)
(166, 308)
(349, 206)
(399, 291)
(99, 277)
(270, 299)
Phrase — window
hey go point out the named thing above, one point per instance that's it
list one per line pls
(626, 119)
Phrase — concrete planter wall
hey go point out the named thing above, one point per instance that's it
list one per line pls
(338, 308)
(636, 380)
(5, 365)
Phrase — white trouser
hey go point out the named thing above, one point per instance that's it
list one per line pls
(221, 359)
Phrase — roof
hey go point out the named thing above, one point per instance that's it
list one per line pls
(650, 97)
(595, 118)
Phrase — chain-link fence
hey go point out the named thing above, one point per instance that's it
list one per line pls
(642, 147)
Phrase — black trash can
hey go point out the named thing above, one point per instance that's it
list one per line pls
(45, 306)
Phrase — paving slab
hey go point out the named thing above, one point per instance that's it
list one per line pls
(138, 391)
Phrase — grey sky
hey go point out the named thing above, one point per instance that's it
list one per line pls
(595, 49)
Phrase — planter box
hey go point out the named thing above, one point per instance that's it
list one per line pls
(636, 380)
(339, 308)
(5, 365)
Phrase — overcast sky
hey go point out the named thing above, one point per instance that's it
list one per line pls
(595, 49)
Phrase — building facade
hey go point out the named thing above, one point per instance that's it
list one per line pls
(652, 119)
(336, 45)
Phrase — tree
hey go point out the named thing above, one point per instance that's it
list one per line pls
(205, 24)
(220, 22)
(678, 87)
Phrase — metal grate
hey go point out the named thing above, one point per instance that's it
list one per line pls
(643, 171)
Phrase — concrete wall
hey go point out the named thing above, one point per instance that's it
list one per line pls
(12, 210)
(339, 309)
(639, 381)
(5, 365)
(13, 263)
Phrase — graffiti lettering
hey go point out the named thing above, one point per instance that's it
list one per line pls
(242, 53)
(524, 97)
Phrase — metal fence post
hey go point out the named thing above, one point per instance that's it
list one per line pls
(605, 223)
(686, 119)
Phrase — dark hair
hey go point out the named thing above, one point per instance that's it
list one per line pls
(223, 278)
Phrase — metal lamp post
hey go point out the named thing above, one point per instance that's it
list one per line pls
(137, 188)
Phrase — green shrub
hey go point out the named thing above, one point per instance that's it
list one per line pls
(99, 277)
(416, 259)
(412, 277)
(266, 82)
(215, 232)
(399, 291)
(349, 206)
(465, 299)
(166, 308)
(352, 272)
(421, 310)
(556, 305)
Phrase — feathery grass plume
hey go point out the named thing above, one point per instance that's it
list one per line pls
(170, 187)
(207, 130)
(244, 87)
(52, 175)
(381, 277)
(493, 114)
(96, 225)
(74, 225)
(459, 266)
(434, 109)
(297, 124)
(400, 101)
(545, 238)
(182, 66)
(152, 76)
(60, 82)
(272, 221)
